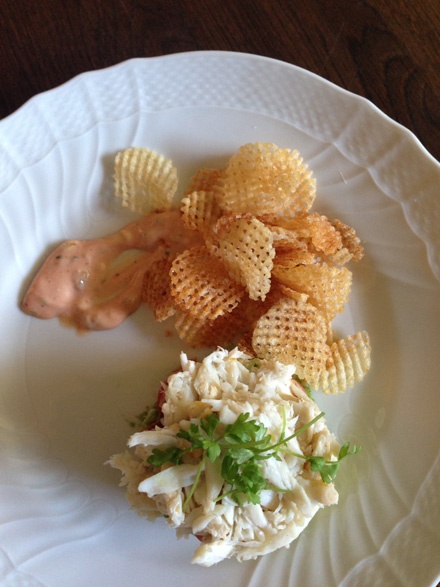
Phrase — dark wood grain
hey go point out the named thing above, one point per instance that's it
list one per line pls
(388, 52)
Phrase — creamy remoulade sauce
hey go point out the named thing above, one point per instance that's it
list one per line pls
(96, 284)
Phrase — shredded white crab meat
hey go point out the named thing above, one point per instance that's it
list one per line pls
(229, 384)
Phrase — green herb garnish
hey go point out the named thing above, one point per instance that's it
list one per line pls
(329, 469)
(252, 364)
(241, 446)
(305, 386)
(147, 418)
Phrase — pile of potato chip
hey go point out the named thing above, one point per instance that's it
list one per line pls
(271, 275)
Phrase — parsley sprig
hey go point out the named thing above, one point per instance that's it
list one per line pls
(241, 446)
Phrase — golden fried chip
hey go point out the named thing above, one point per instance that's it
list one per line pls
(201, 286)
(282, 237)
(328, 287)
(349, 361)
(295, 332)
(290, 255)
(260, 238)
(200, 211)
(261, 178)
(315, 230)
(204, 180)
(196, 332)
(332, 240)
(156, 289)
(245, 246)
(190, 328)
(144, 180)
(245, 344)
(324, 237)
(352, 249)
(251, 310)
(228, 329)
(290, 247)
(287, 292)
(299, 224)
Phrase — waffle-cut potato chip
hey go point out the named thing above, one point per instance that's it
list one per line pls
(245, 344)
(314, 229)
(245, 246)
(288, 244)
(144, 180)
(300, 225)
(223, 331)
(282, 237)
(288, 256)
(294, 332)
(288, 292)
(331, 240)
(352, 248)
(324, 237)
(190, 329)
(201, 286)
(261, 178)
(328, 287)
(200, 211)
(156, 289)
(204, 180)
(349, 361)
(252, 310)
(270, 275)
(228, 329)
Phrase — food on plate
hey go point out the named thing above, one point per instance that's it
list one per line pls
(235, 451)
(262, 177)
(239, 455)
(241, 260)
(144, 180)
(95, 284)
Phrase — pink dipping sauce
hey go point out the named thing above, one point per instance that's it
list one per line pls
(96, 284)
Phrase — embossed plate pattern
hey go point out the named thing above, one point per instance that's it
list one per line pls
(65, 399)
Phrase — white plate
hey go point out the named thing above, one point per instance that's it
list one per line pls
(64, 398)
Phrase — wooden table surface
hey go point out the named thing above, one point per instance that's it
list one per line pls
(385, 50)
